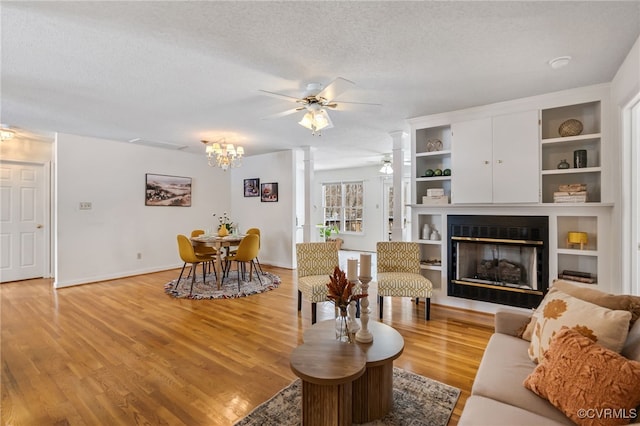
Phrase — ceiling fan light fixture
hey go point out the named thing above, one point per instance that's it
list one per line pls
(386, 167)
(316, 121)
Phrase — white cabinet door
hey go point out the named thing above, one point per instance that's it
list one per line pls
(516, 158)
(471, 162)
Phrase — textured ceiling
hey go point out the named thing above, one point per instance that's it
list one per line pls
(178, 72)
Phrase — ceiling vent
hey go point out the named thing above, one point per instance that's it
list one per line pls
(157, 144)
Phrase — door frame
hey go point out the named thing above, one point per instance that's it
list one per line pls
(47, 191)
(630, 246)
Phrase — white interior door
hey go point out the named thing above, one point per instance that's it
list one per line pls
(21, 221)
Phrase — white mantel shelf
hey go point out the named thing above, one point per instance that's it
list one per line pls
(510, 206)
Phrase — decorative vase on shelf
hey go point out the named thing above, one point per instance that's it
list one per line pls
(342, 325)
(223, 231)
(580, 158)
(563, 164)
(426, 229)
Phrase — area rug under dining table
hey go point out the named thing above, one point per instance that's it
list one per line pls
(229, 289)
(417, 401)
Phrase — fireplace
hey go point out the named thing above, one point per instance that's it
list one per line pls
(499, 259)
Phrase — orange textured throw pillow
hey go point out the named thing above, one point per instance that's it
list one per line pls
(590, 384)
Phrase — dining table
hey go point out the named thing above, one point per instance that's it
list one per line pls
(218, 243)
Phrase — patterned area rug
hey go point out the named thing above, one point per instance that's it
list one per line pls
(417, 401)
(229, 289)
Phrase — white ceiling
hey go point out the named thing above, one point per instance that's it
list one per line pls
(179, 72)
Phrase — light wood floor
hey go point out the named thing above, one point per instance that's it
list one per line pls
(122, 352)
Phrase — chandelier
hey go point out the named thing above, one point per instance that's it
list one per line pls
(224, 155)
(386, 167)
(316, 119)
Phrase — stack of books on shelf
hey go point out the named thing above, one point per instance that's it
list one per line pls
(435, 196)
(581, 277)
(571, 193)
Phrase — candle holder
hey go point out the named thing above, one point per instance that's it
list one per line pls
(364, 335)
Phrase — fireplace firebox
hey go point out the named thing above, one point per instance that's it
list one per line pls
(499, 259)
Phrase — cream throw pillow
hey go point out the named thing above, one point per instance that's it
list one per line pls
(604, 326)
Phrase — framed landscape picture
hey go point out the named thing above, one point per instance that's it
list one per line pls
(252, 187)
(163, 190)
(269, 192)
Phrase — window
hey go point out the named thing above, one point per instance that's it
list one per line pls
(343, 205)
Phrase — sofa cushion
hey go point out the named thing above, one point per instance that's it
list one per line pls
(631, 347)
(481, 411)
(578, 374)
(605, 326)
(504, 367)
(616, 302)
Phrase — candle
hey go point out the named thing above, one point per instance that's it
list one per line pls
(352, 269)
(365, 265)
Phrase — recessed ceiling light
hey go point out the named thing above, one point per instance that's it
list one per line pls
(559, 62)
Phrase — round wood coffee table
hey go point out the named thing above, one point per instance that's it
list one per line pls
(373, 391)
(327, 370)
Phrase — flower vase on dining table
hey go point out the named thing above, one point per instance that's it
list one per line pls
(223, 231)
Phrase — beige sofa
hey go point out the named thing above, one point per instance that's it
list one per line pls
(498, 396)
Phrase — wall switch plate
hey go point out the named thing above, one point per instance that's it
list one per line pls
(85, 205)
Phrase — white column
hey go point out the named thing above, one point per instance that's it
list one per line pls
(308, 226)
(398, 166)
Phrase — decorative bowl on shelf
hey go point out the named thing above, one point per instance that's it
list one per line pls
(571, 127)
(434, 145)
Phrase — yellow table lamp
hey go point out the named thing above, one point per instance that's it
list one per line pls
(580, 238)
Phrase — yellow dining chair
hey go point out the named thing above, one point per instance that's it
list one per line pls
(188, 255)
(257, 232)
(205, 251)
(251, 231)
(398, 273)
(246, 253)
(316, 262)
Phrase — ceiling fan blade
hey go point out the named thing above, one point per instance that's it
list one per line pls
(280, 96)
(357, 103)
(335, 88)
(283, 113)
(348, 106)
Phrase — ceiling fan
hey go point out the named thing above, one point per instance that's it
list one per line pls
(315, 101)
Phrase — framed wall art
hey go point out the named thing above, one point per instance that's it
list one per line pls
(252, 187)
(164, 190)
(269, 192)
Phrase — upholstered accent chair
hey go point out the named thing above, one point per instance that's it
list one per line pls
(398, 273)
(316, 262)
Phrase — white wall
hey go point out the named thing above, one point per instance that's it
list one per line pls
(373, 211)
(276, 220)
(102, 243)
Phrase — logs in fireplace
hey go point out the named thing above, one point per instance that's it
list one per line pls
(499, 259)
